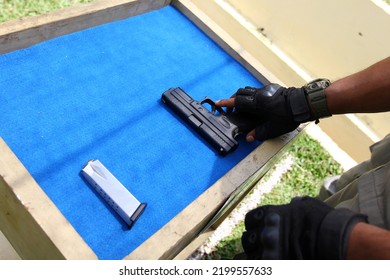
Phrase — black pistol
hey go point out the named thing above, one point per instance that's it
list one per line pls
(214, 126)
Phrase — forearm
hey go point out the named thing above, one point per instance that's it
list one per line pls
(367, 91)
(368, 242)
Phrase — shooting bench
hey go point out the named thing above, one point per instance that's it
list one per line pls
(85, 83)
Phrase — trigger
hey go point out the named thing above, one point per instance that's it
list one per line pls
(213, 107)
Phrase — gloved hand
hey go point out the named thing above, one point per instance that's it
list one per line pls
(304, 229)
(272, 110)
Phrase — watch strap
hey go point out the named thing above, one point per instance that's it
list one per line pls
(316, 96)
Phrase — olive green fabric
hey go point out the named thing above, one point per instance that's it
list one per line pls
(365, 188)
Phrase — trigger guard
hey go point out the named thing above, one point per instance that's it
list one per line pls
(213, 106)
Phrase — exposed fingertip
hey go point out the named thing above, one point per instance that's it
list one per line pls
(250, 138)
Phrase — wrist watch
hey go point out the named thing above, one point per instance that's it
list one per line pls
(317, 99)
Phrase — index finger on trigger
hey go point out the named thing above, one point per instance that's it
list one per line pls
(225, 103)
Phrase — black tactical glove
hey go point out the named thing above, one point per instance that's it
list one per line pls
(272, 110)
(304, 229)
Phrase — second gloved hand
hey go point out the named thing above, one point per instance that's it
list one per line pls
(306, 228)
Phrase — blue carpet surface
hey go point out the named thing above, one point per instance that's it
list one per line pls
(95, 94)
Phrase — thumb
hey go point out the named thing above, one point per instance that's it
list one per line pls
(260, 133)
(251, 136)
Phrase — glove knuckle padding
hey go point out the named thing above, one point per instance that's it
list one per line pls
(251, 241)
(256, 100)
(254, 217)
(263, 241)
(306, 228)
(280, 109)
(245, 100)
(271, 236)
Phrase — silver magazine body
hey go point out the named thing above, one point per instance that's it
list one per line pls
(112, 191)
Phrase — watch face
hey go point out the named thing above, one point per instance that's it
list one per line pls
(317, 84)
(313, 86)
(324, 83)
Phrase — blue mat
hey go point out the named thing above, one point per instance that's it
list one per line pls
(95, 94)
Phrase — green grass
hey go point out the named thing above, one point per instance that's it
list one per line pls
(13, 9)
(312, 164)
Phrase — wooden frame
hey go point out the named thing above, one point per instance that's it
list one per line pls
(30, 220)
